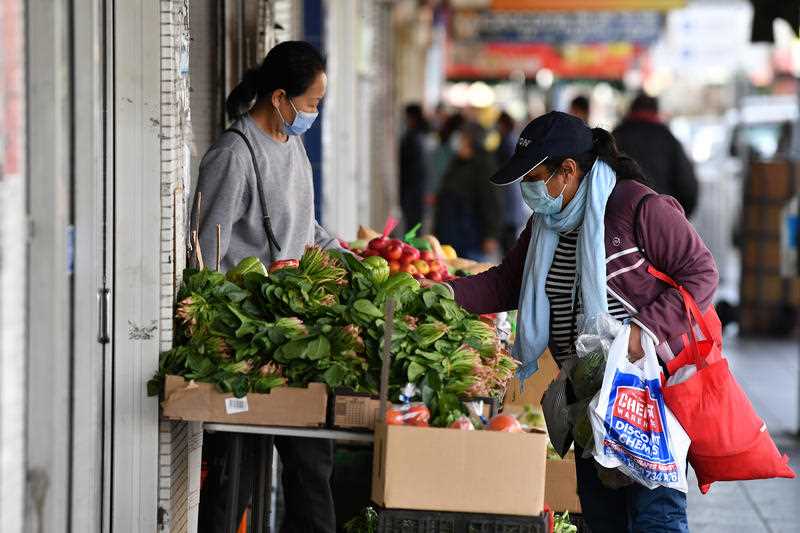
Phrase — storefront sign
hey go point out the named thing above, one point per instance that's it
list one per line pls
(499, 60)
(640, 27)
(586, 5)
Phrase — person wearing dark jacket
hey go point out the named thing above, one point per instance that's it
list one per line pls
(414, 166)
(513, 209)
(596, 227)
(643, 136)
(467, 206)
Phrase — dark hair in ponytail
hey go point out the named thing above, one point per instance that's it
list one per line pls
(605, 148)
(291, 65)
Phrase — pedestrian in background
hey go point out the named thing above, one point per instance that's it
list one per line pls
(579, 107)
(441, 156)
(414, 165)
(643, 136)
(467, 205)
(514, 212)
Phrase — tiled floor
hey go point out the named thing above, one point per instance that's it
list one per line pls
(769, 372)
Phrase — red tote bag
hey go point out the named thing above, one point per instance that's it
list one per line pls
(729, 440)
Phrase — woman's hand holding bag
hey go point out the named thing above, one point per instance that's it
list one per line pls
(634, 431)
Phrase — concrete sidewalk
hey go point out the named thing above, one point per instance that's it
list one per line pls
(768, 371)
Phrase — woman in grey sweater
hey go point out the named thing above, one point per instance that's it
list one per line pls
(256, 185)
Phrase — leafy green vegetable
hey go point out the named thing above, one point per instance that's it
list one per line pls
(322, 320)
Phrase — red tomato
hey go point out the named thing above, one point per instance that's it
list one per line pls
(393, 252)
(463, 423)
(369, 252)
(394, 417)
(394, 267)
(379, 243)
(506, 423)
(418, 415)
(427, 255)
(411, 252)
(437, 266)
(435, 276)
(411, 269)
(406, 260)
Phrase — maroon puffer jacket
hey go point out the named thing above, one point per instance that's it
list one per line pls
(670, 242)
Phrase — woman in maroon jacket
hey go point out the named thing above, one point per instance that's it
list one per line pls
(585, 251)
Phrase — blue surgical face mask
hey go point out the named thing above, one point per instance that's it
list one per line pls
(538, 198)
(301, 123)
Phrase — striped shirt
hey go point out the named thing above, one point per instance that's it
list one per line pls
(559, 289)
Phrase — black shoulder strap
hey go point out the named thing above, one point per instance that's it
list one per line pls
(271, 240)
(636, 213)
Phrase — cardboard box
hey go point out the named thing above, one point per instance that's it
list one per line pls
(354, 411)
(433, 469)
(535, 385)
(763, 256)
(771, 180)
(283, 406)
(561, 485)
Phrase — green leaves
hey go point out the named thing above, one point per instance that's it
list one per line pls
(367, 308)
(319, 348)
(324, 321)
(415, 370)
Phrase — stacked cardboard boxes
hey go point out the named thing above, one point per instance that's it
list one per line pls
(769, 302)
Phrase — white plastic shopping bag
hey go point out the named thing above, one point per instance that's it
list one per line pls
(634, 431)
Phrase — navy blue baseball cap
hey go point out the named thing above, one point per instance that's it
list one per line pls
(554, 134)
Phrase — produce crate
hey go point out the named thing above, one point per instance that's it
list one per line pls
(578, 520)
(283, 406)
(403, 521)
(353, 410)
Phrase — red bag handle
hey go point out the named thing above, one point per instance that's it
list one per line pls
(692, 311)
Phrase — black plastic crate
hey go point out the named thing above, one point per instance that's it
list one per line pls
(578, 520)
(403, 521)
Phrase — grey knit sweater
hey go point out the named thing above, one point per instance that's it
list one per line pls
(229, 198)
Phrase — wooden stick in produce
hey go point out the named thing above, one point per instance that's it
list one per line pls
(219, 237)
(388, 332)
(197, 213)
(197, 253)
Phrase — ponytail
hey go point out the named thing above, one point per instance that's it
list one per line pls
(625, 167)
(291, 65)
(242, 96)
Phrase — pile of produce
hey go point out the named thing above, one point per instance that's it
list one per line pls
(321, 319)
(421, 256)
(404, 257)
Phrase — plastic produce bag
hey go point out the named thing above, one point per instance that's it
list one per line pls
(586, 375)
(634, 431)
(556, 412)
